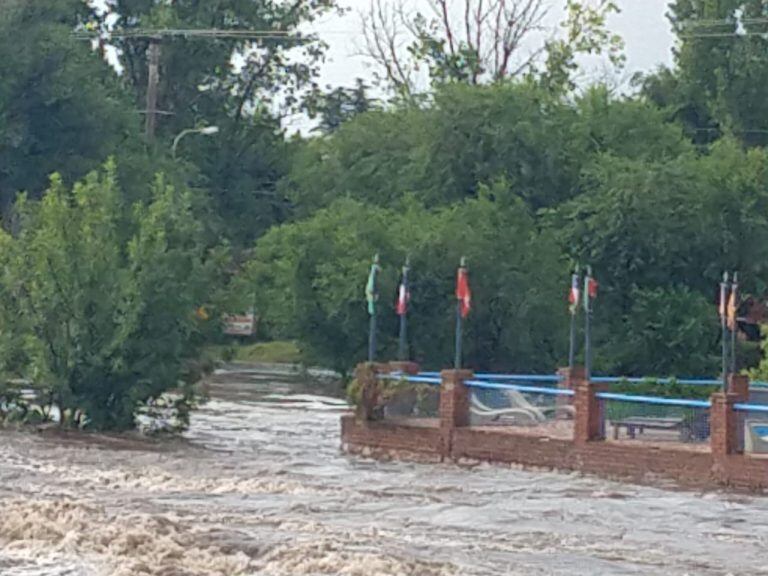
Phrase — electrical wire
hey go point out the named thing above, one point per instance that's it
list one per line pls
(141, 33)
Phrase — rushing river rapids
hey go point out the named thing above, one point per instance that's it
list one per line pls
(259, 486)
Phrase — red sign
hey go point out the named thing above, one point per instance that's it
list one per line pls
(240, 325)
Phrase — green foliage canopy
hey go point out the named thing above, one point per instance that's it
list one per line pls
(308, 279)
(102, 319)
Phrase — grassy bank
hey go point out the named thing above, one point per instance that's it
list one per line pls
(280, 352)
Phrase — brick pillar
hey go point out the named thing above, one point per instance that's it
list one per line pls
(409, 368)
(726, 435)
(739, 384)
(454, 405)
(570, 376)
(588, 423)
(567, 376)
(366, 375)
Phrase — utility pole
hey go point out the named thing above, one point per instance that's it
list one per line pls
(155, 37)
(153, 82)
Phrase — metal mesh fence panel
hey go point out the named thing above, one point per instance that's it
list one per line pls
(535, 407)
(651, 421)
(410, 401)
(752, 419)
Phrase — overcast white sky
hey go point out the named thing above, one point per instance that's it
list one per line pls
(642, 24)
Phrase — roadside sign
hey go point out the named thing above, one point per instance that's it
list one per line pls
(240, 324)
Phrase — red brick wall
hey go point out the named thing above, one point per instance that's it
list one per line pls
(388, 438)
(450, 437)
(691, 468)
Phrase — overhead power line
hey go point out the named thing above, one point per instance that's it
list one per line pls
(722, 22)
(732, 27)
(159, 33)
(763, 35)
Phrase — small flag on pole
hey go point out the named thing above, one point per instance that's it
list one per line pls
(593, 286)
(403, 298)
(733, 305)
(403, 295)
(723, 308)
(590, 291)
(463, 306)
(371, 290)
(463, 292)
(575, 294)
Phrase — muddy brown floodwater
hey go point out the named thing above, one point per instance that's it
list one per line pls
(258, 486)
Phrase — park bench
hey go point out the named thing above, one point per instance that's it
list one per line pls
(639, 424)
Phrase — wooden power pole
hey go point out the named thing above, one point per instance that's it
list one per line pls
(153, 83)
(156, 36)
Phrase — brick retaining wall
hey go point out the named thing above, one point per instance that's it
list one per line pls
(450, 439)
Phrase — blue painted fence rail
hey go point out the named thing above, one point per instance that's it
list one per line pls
(654, 400)
(485, 385)
(601, 379)
(420, 379)
(751, 408)
(508, 377)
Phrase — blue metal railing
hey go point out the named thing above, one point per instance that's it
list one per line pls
(420, 379)
(602, 379)
(512, 382)
(506, 377)
(683, 381)
(485, 385)
(751, 407)
(654, 400)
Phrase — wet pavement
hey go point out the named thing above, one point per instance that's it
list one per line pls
(258, 485)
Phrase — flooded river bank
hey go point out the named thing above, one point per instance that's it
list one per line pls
(258, 486)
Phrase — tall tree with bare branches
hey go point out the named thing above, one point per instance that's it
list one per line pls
(482, 41)
(471, 41)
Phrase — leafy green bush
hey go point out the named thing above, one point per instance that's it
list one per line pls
(100, 301)
(413, 397)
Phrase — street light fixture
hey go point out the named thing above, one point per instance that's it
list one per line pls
(206, 131)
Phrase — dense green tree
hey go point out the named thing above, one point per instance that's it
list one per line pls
(618, 184)
(538, 142)
(678, 221)
(336, 106)
(471, 136)
(654, 230)
(721, 74)
(627, 127)
(243, 86)
(104, 311)
(666, 331)
(518, 132)
(376, 158)
(60, 106)
(199, 81)
(311, 274)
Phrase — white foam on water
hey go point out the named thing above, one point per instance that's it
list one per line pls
(328, 557)
(123, 544)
